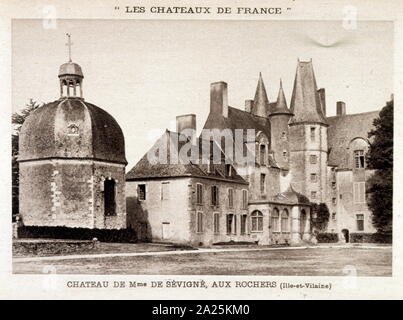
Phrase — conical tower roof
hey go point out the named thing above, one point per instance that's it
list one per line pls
(260, 102)
(281, 104)
(305, 102)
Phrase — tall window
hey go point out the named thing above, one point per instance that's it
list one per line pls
(243, 223)
(199, 221)
(230, 219)
(214, 195)
(274, 220)
(244, 199)
(359, 192)
(360, 222)
(359, 159)
(216, 222)
(165, 191)
(285, 221)
(313, 133)
(199, 193)
(262, 183)
(262, 150)
(256, 221)
(110, 197)
(230, 198)
(141, 192)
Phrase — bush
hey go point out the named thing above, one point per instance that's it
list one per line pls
(103, 235)
(327, 237)
(370, 238)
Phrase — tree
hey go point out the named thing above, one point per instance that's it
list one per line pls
(320, 216)
(380, 159)
(17, 119)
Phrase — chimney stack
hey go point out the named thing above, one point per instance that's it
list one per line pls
(219, 98)
(186, 124)
(322, 99)
(248, 105)
(341, 108)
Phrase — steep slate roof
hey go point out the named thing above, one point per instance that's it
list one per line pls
(146, 170)
(305, 102)
(260, 102)
(238, 119)
(280, 107)
(342, 129)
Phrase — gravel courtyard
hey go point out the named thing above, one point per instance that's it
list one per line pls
(316, 261)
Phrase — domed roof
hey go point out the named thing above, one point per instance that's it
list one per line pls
(71, 69)
(292, 197)
(71, 128)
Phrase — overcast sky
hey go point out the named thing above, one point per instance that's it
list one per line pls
(144, 73)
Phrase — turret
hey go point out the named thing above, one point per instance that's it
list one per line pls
(279, 118)
(308, 135)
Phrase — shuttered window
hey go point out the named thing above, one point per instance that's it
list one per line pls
(359, 192)
(216, 223)
(199, 221)
(244, 199)
(214, 195)
(230, 198)
(199, 193)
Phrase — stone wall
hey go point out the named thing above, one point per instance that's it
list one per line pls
(68, 193)
(159, 219)
(301, 150)
(174, 219)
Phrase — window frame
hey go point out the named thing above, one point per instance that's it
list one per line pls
(216, 223)
(359, 218)
(287, 219)
(245, 198)
(231, 193)
(201, 196)
(144, 198)
(275, 220)
(199, 226)
(256, 222)
(215, 199)
(262, 183)
(359, 159)
(244, 219)
(229, 224)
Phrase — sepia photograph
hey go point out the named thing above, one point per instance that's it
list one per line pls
(202, 147)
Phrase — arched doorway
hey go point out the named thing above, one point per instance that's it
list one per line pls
(346, 235)
(302, 223)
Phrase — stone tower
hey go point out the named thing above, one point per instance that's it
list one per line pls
(72, 162)
(279, 118)
(308, 136)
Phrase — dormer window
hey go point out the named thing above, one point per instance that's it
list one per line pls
(359, 159)
(72, 130)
